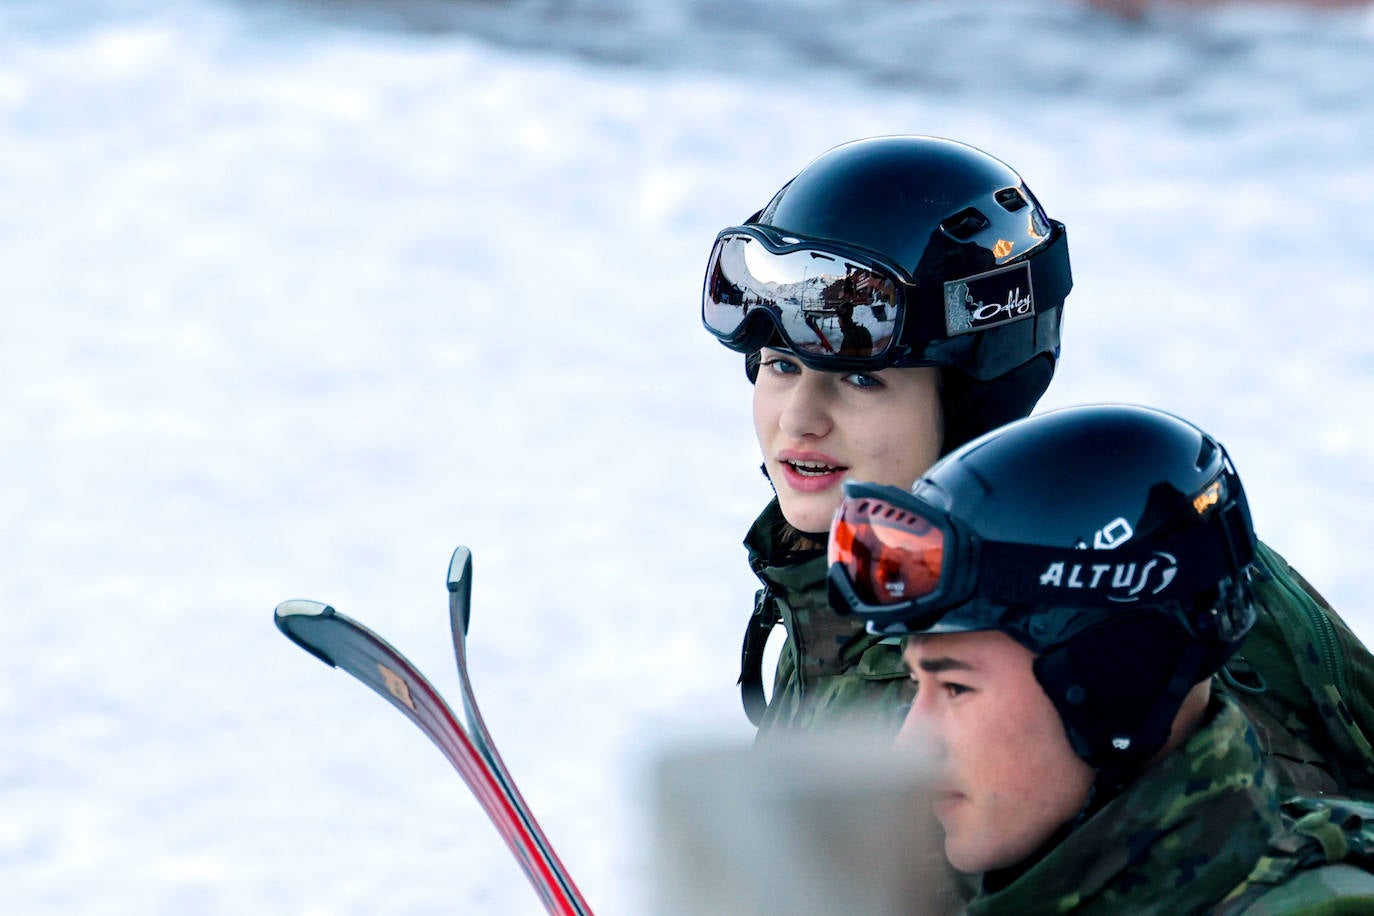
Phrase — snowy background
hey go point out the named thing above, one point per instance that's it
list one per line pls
(299, 296)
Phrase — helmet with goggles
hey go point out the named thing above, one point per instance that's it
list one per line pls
(1112, 541)
(902, 251)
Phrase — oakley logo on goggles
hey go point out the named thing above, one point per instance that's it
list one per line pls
(825, 305)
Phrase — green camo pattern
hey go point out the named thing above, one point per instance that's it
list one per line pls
(1200, 832)
(1307, 684)
(830, 671)
(1324, 862)
(1335, 890)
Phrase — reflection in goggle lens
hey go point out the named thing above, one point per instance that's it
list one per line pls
(890, 555)
(822, 303)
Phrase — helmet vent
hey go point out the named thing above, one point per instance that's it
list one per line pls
(965, 224)
(1206, 453)
(1011, 199)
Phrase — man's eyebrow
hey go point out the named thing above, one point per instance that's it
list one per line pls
(943, 663)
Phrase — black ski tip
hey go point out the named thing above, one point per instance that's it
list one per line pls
(295, 616)
(299, 607)
(460, 590)
(459, 568)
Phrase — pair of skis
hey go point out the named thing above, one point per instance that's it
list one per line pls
(344, 643)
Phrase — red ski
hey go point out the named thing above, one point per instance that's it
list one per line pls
(344, 643)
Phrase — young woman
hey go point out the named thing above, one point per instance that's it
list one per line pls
(897, 298)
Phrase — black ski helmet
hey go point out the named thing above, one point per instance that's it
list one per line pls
(1112, 541)
(985, 269)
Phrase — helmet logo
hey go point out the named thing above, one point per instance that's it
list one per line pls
(1120, 582)
(1112, 535)
(1002, 248)
(988, 300)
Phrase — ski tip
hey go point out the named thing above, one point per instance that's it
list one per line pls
(295, 618)
(459, 568)
(298, 607)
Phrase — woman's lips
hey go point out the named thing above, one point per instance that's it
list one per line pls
(811, 473)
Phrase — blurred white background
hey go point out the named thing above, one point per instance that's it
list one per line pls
(299, 296)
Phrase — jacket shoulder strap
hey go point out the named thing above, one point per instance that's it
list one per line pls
(760, 625)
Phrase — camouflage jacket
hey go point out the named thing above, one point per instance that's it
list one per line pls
(1307, 685)
(830, 671)
(1201, 831)
(1304, 680)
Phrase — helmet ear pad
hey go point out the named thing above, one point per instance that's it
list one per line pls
(1119, 684)
(973, 407)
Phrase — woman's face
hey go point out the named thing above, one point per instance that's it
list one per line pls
(817, 429)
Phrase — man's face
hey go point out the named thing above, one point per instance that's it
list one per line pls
(1008, 776)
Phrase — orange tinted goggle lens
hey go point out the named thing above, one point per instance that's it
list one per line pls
(891, 555)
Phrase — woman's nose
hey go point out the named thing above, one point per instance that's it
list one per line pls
(806, 414)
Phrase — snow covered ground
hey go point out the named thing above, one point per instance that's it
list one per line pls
(298, 296)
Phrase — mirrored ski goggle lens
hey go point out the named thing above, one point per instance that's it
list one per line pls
(891, 555)
(822, 304)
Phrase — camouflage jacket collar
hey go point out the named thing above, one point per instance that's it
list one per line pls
(780, 565)
(825, 644)
(1180, 839)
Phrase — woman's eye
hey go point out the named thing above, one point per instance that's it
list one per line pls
(863, 380)
(780, 365)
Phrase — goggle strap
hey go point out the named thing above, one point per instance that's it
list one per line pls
(1050, 267)
(1174, 570)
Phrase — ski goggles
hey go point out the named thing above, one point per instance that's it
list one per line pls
(893, 558)
(842, 307)
(907, 566)
(830, 304)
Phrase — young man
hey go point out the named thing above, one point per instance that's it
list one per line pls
(1067, 587)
